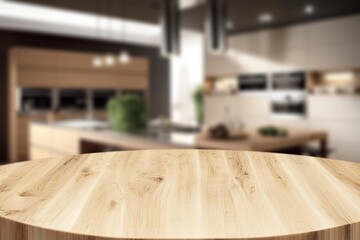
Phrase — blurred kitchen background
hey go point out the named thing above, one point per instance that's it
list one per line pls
(104, 75)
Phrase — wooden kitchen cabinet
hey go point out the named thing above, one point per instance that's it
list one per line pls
(46, 68)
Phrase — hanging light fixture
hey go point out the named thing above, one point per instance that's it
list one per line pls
(170, 24)
(124, 57)
(216, 25)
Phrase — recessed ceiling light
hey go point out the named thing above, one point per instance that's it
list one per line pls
(97, 62)
(265, 18)
(109, 60)
(124, 57)
(229, 25)
(309, 9)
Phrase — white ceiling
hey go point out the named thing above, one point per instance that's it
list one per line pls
(20, 16)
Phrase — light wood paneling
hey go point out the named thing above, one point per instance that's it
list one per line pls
(72, 79)
(180, 194)
(33, 78)
(48, 78)
(55, 59)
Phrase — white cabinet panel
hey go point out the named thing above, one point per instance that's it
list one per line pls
(337, 31)
(325, 45)
(287, 60)
(340, 118)
(215, 107)
(334, 57)
(244, 108)
(293, 37)
(251, 106)
(334, 108)
(340, 131)
(255, 42)
(222, 65)
(292, 123)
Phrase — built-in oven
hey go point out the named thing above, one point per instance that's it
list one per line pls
(253, 83)
(288, 95)
(288, 105)
(289, 81)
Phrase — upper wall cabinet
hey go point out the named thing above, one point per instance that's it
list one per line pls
(334, 32)
(325, 45)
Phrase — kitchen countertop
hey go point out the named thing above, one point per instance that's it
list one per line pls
(178, 139)
(180, 194)
(255, 142)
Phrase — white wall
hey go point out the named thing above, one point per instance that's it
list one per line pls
(187, 73)
(326, 45)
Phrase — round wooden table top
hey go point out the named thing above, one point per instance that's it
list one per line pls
(177, 194)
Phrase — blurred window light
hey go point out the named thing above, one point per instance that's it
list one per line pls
(230, 25)
(265, 18)
(309, 9)
(185, 4)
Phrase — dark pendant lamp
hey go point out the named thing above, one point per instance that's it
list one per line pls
(170, 24)
(216, 25)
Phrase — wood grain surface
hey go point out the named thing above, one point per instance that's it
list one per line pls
(180, 194)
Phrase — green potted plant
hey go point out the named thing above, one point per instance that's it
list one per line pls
(127, 113)
(198, 98)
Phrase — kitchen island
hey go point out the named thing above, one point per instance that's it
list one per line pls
(180, 194)
(59, 139)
